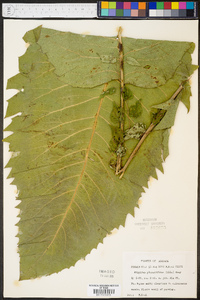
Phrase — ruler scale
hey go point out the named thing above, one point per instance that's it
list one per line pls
(48, 10)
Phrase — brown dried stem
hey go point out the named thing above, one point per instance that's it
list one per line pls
(145, 135)
(121, 59)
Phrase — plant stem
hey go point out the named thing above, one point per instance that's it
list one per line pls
(150, 128)
(121, 59)
(157, 120)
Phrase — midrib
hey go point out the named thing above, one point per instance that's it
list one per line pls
(82, 172)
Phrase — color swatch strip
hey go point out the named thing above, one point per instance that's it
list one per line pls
(147, 9)
(171, 9)
(123, 9)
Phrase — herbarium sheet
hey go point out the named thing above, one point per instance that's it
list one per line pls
(100, 148)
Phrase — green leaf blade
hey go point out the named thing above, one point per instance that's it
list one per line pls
(61, 164)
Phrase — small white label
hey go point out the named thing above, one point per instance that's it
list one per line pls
(104, 290)
(160, 274)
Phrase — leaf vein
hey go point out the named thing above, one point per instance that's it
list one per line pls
(54, 145)
(102, 139)
(97, 187)
(90, 200)
(61, 109)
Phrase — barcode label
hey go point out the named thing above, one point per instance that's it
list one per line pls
(104, 290)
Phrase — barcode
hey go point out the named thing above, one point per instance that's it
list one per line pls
(103, 291)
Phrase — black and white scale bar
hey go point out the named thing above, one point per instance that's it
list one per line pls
(48, 10)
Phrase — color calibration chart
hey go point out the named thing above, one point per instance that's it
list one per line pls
(111, 9)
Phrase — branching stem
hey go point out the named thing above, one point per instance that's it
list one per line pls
(150, 128)
(147, 132)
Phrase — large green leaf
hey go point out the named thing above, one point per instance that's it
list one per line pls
(67, 139)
